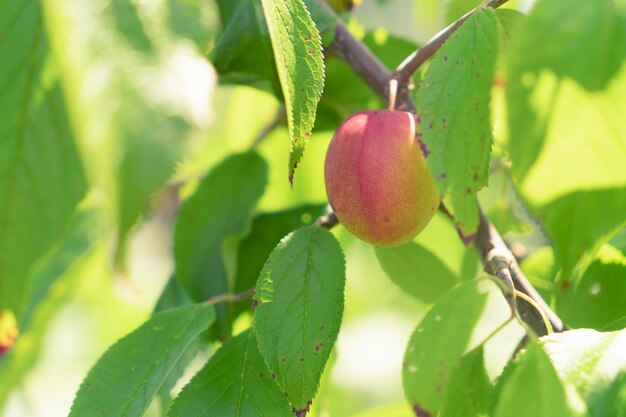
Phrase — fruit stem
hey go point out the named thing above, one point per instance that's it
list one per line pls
(393, 92)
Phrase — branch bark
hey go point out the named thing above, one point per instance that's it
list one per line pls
(404, 73)
(499, 260)
(495, 254)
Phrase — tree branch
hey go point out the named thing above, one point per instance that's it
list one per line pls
(404, 73)
(345, 47)
(231, 298)
(499, 261)
(413, 62)
(496, 256)
(328, 220)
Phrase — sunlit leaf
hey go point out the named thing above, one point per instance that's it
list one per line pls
(448, 331)
(299, 307)
(125, 379)
(454, 117)
(39, 165)
(468, 390)
(417, 271)
(297, 50)
(590, 360)
(597, 299)
(267, 230)
(530, 386)
(219, 209)
(566, 104)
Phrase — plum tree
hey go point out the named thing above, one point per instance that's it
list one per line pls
(377, 180)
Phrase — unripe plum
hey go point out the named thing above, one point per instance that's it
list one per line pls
(376, 178)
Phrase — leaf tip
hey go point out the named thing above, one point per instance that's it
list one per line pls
(302, 412)
(419, 411)
(467, 238)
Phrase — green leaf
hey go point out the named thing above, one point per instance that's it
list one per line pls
(587, 359)
(219, 210)
(128, 375)
(54, 278)
(86, 231)
(500, 203)
(610, 402)
(454, 117)
(193, 20)
(243, 53)
(598, 298)
(267, 230)
(448, 330)
(576, 39)
(580, 222)
(457, 8)
(468, 391)
(297, 50)
(173, 296)
(566, 104)
(299, 309)
(530, 387)
(235, 383)
(510, 22)
(136, 90)
(441, 238)
(417, 271)
(619, 241)
(540, 269)
(39, 164)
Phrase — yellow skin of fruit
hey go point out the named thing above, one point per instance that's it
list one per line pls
(376, 178)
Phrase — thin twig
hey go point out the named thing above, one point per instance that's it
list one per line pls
(231, 298)
(413, 62)
(404, 72)
(499, 260)
(328, 220)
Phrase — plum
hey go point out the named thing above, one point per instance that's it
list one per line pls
(376, 177)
